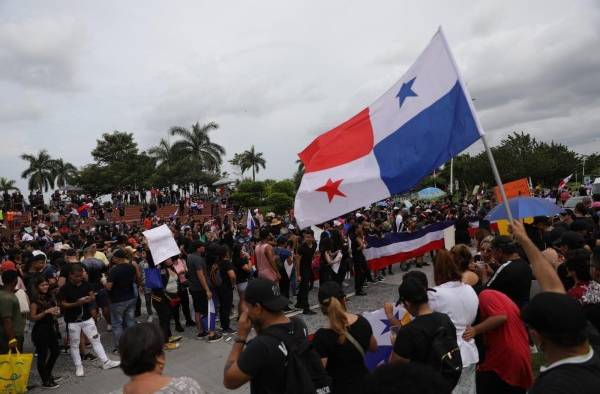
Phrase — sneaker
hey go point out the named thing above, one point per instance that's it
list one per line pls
(115, 351)
(57, 378)
(174, 338)
(50, 385)
(214, 337)
(309, 312)
(202, 335)
(229, 331)
(108, 328)
(179, 328)
(79, 370)
(360, 293)
(190, 323)
(89, 357)
(109, 364)
(171, 346)
(149, 320)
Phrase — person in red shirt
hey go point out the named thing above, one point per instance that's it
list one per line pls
(506, 368)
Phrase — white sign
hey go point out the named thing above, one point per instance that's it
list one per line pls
(161, 243)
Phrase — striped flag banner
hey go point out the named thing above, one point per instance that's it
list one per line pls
(397, 247)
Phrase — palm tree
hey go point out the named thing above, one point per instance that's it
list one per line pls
(40, 171)
(7, 185)
(251, 159)
(197, 146)
(63, 173)
(163, 152)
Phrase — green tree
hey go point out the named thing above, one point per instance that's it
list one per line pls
(40, 171)
(6, 185)
(280, 202)
(64, 173)
(164, 153)
(197, 146)
(250, 159)
(297, 178)
(115, 147)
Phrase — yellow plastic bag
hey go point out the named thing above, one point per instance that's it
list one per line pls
(14, 372)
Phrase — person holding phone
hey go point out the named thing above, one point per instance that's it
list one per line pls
(44, 335)
(76, 297)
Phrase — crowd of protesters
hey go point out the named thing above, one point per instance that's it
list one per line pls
(99, 275)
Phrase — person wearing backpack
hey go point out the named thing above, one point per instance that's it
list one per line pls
(343, 344)
(430, 338)
(279, 359)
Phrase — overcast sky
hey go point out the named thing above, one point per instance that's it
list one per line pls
(278, 73)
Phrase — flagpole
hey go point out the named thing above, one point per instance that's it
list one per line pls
(481, 131)
(452, 176)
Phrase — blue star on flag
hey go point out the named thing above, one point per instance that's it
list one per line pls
(406, 91)
(388, 324)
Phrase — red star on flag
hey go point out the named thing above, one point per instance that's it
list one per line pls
(332, 189)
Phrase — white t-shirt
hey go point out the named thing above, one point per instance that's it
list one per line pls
(460, 302)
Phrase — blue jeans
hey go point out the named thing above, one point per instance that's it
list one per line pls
(121, 317)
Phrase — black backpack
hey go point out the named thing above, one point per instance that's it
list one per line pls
(444, 353)
(304, 372)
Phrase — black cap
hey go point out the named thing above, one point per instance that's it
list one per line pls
(330, 289)
(504, 243)
(571, 239)
(413, 288)
(266, 293)
(541, 315)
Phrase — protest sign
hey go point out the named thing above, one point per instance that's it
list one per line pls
(161, 243)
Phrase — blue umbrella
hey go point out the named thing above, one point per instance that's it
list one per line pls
(430, 193)
(524, 207)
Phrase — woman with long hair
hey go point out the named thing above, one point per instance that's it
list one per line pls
(463, 259)
(43, 312)
(243, 270)
(459, 301)
(343, 343)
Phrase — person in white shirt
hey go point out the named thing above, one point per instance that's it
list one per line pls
(459, 301)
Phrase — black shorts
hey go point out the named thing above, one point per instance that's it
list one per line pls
(200, 301)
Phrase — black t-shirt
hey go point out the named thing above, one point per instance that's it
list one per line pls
(583, 378)
(264, 361)
(224, 267)
(514, 280)
(412, 343)
(345, 364)
(71, 293)
(122, 276)
(241, 276)
(94, 268)
(306, 253)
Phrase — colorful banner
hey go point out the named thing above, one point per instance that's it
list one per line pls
(397, 247)
(518, 188)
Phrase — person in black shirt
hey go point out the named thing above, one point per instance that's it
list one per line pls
(342, 345)
(514, 276)
(75, 298)
(243, 269)
(225, 290)
(305, 256)
(121, 282)
(413, 341)
(44, 335)
(262, 360)
(557, 325)
(409, 378)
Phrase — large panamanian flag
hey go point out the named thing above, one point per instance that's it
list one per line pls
(421, 122)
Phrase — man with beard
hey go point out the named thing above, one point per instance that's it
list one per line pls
(262, 360)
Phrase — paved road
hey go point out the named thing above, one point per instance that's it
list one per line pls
(199, 359)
